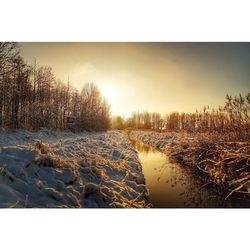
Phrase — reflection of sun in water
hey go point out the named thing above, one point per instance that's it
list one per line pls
(109, 93)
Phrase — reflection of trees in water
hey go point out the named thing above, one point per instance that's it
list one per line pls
(142, 147)
(196, 193)
(183, 185)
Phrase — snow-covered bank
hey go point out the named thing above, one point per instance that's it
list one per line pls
(154, 139)
(52, 169)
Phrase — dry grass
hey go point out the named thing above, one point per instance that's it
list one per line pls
(226, 162)
(46, 156)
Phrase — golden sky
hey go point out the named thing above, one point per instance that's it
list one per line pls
(162, 77)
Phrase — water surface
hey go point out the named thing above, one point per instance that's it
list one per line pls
(172, 185)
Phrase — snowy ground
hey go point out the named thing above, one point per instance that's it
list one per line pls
(155, 139)
(63, 169)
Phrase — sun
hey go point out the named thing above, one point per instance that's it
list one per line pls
(109, 93)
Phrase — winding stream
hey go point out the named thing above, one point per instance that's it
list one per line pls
(171, 185)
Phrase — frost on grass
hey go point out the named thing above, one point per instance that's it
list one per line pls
(46, 169)
(223, 158)
(154, 139)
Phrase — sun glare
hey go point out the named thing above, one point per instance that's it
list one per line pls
(109, 93)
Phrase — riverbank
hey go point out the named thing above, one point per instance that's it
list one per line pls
(64, 169)
(225, 162)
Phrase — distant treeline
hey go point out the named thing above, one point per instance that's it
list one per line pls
(31, 97)
(234, 117)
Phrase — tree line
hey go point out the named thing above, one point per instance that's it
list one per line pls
(31, 98)
(234, 117)
(139, 120)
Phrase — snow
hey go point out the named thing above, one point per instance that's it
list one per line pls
(65, 169)
(154, 139)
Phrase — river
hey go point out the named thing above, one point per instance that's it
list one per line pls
(173, 186)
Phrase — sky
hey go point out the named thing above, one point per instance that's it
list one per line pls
(154, 77)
